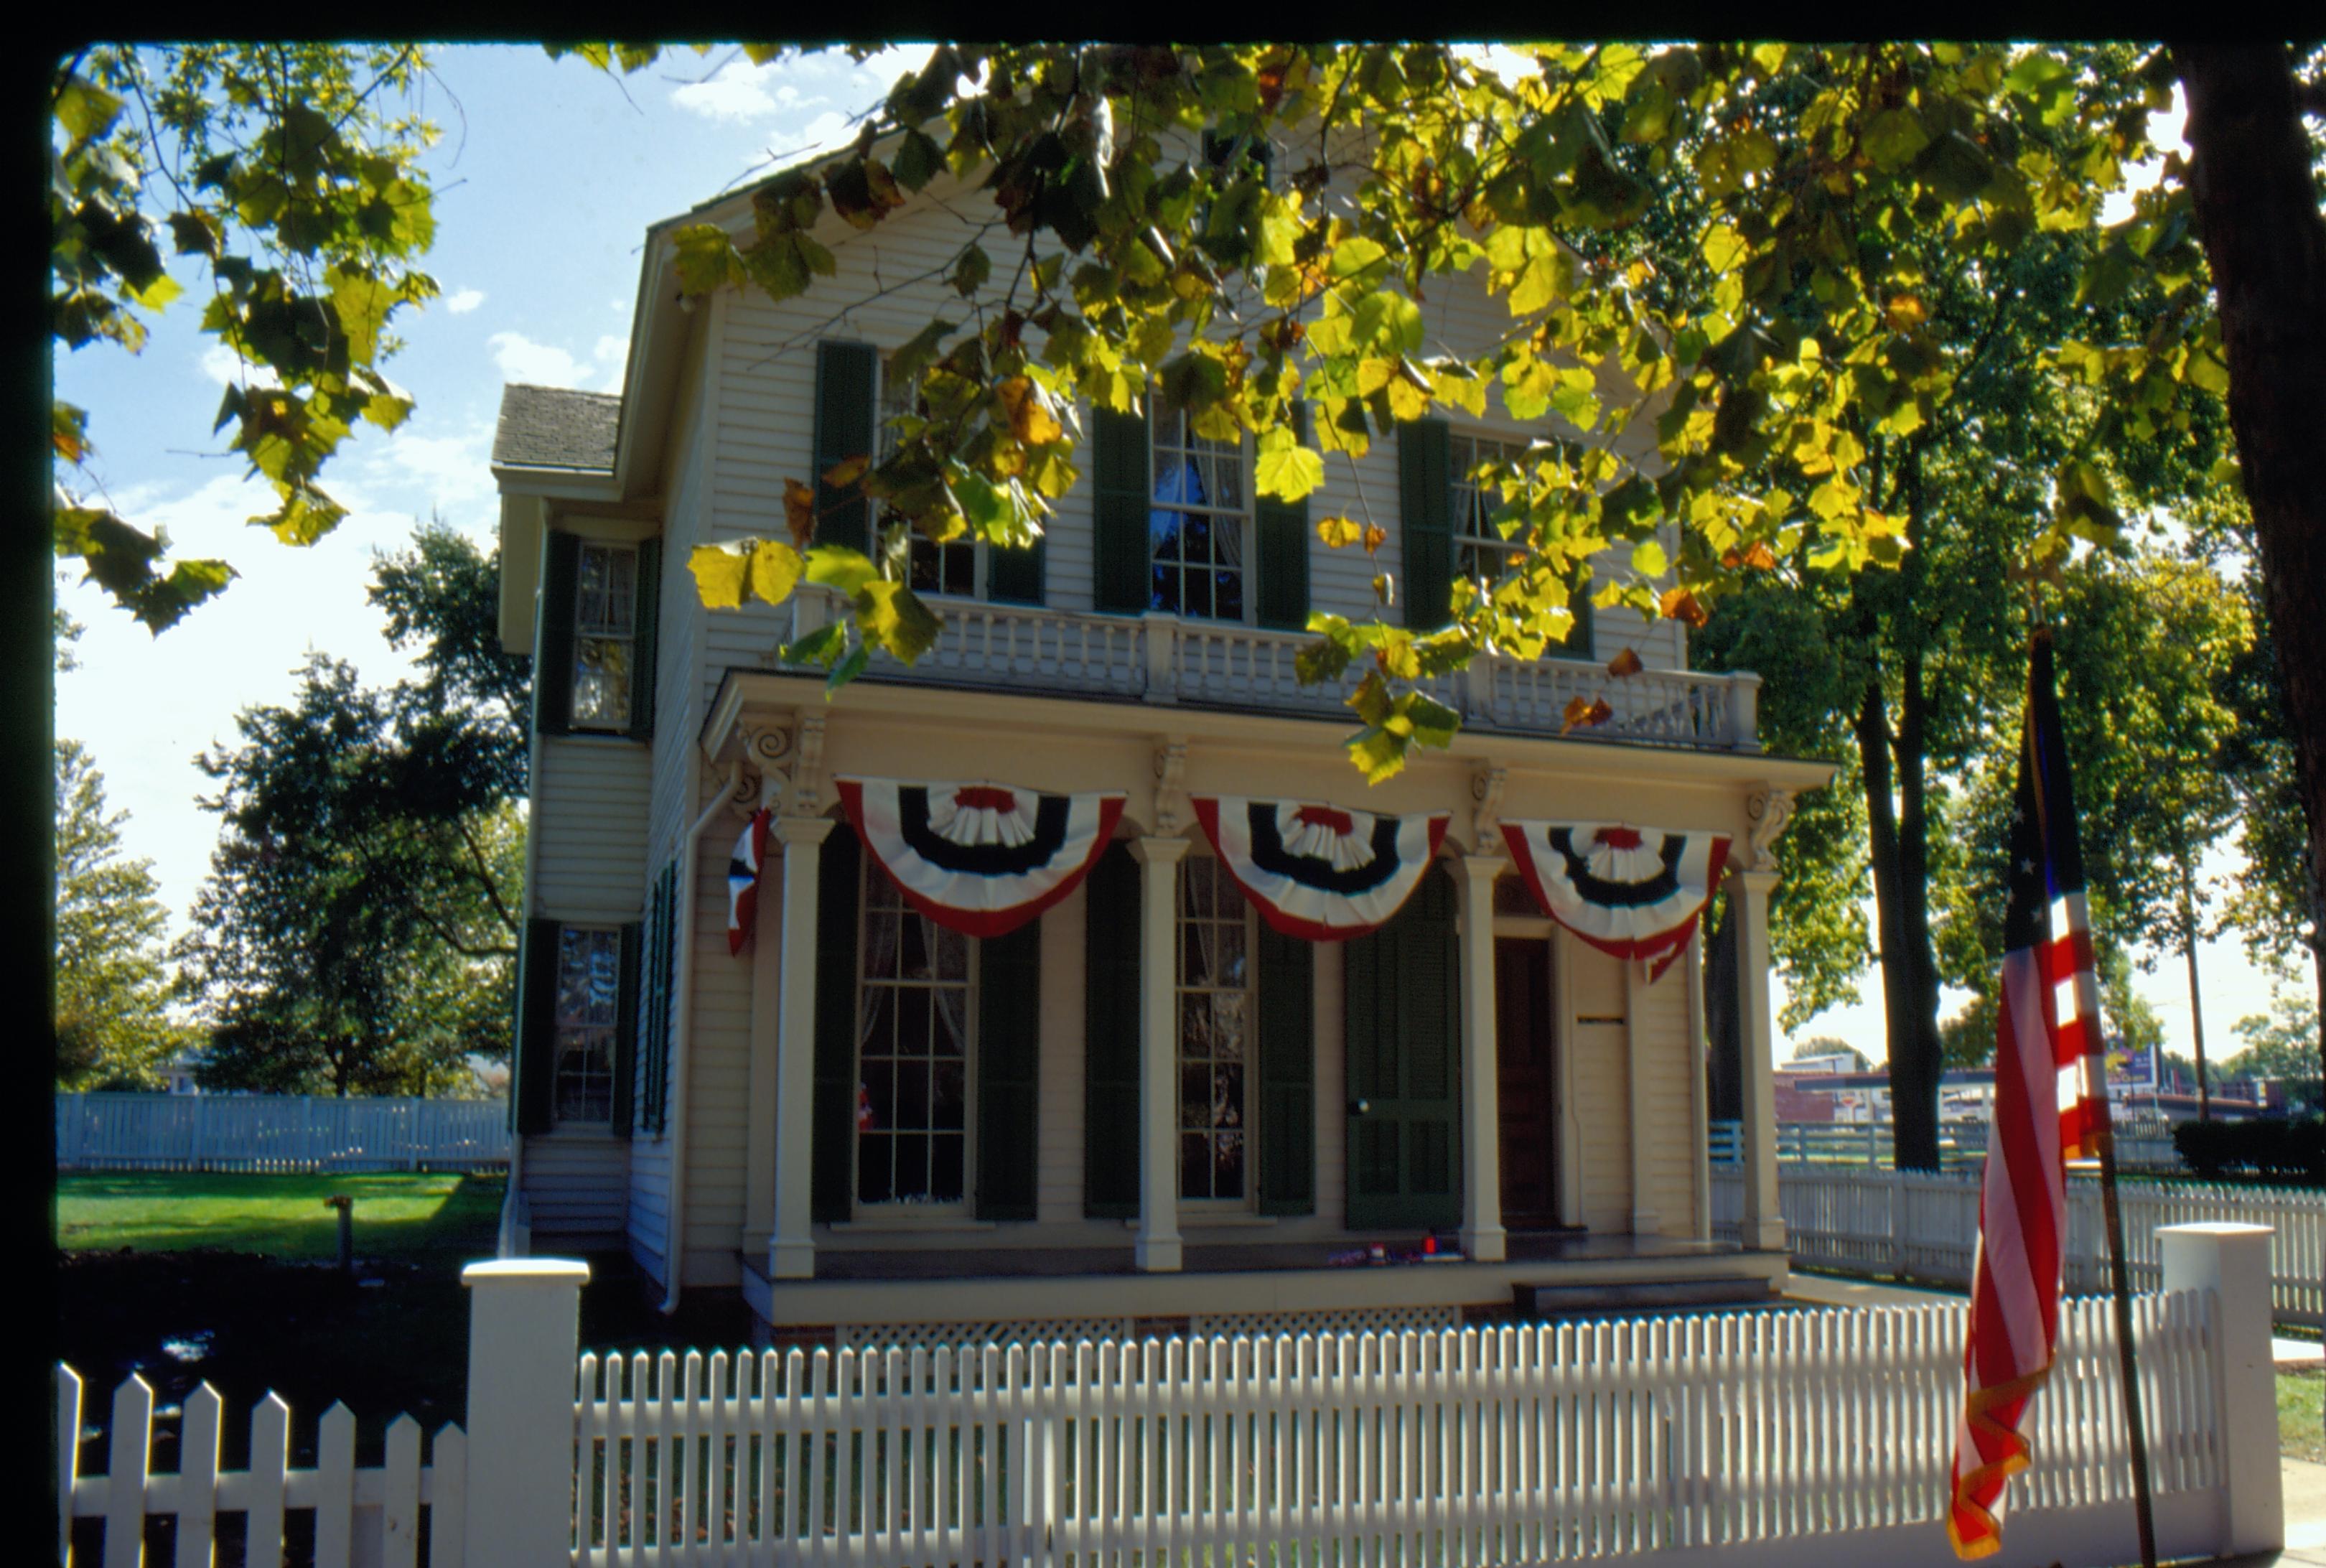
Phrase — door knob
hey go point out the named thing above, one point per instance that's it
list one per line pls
(1359, 1108)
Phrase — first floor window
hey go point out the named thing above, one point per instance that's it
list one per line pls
(589, 979)
(605, 635)
(912, 1054)
(950, 567)
(1195, 528)
(1214, 986)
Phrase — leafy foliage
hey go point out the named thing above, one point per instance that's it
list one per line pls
(358, 930)
(1721, 262)
(2282, 1043)
(286, 172)
(114, 1028)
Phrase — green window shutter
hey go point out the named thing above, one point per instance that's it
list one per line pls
(831, 1197)
(1111, 1037)
(535, 1090)
(845, 376)
(1009, 1071)
(645, 618)
(1016, 576)
(1281, 548)
(1287, 971)
(1424, 461)
(1120, 497)
(552, 649)
(1579, 636)
(627, 1004)
(654, 1102)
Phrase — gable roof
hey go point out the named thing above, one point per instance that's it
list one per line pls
(556, 427)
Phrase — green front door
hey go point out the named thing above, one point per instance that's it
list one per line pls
(1405, 1128)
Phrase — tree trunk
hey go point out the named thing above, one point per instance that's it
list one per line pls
(2256, 208)
(2196, 1000)
(1913, 1067)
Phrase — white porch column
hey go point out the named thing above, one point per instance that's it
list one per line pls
(759, 1122)
(1482, 1237)
(1644, 1136)
(2233, 1262)
(1158, 1249)
(1763, 1222)
(791, 1250)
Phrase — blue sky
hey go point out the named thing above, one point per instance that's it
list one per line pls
(546, 178)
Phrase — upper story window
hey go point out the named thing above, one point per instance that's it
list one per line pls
(1480, 552)
(589, 992)
(1216, 1010)
(605, 635)
(951, 567)
(913, 1053)
(1196, 531)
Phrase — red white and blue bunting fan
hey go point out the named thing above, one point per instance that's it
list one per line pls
(982, 859)
(1636, 893)
(743, 880)
(1320, 873)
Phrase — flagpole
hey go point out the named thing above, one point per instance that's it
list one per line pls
(2120, 1280)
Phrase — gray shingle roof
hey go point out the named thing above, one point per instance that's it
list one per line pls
(556, 427)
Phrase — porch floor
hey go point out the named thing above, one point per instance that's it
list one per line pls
(1005, 1284)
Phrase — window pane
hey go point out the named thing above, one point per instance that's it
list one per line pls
(875, 1180)
(601, 680)
(945, 1162)
(949, 1096)
(913, 1016)
(913, 1170)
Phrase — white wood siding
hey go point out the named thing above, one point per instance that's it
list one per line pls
(574, 1184)
(1662, 1061)
(589, 812)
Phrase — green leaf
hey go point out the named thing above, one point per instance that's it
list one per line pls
(706, 260)
(970, 270)
(916, 161)
(1355, 255)
(86, 110)
(820, 647)
(1434, 724)
(892, 616)
(846, 671)
(1288, 473)
(1390, 320)
(1893, 139)
(838, 567)
(1378, 753)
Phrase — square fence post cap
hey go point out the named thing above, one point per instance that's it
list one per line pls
(2224, 1227)
(540, 1271)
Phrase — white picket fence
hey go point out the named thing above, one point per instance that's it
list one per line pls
(370, 1516)
(1924, 1227)
(2142, 1144)
(277, 1133)
(1730, 1441)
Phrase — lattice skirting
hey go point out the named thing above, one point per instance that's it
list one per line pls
(1327, 1321)
(1038, 1330)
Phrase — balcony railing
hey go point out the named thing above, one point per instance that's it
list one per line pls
(1163, 659)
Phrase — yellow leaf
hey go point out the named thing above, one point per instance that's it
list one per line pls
(1339, 533)
(718, 575)
(774, 569)
(847, 471)
(1031, 419)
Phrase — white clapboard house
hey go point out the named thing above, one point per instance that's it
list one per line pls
(1088, 984)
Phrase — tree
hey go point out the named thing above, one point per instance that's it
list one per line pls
(2281, 1044)
(287, 171)
(1827, 1045)
(114, 1029)
(360, 923)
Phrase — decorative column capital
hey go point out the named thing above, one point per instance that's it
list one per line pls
(1171, 812)
(1486, 782)
(1478, 869)
(1770, 811)
(1160, 850)
(810, 830)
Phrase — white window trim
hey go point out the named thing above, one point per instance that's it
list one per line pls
(557, 1027)
(620, 727)
(899, 1213)
(1246, 1202)
(1242, 516)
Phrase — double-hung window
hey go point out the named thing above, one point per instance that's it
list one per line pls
(1481, 554)
(589, 992)
(1195, 528)
(1216, 1033)
(951, 567)
(914, 1025)
(605, 635)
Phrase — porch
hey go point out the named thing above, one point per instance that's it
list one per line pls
(1238, 1286)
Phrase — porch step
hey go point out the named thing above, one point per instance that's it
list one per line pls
(1558, 1300)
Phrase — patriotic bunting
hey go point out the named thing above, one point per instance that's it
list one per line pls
(2049, 1105)
(743, 880)
(1319, 873)
(1635, 893)
(982, 859)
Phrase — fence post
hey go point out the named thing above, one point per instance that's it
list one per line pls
(525, 1321)
(2232, 1261)
(1897, 1224)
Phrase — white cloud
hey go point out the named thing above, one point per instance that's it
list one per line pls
(229, 368)
(611, 348)
(739, 90)
(467, 300)
(521, 358)
(422, 474)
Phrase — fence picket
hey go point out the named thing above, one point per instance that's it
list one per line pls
(277, 1133)
(126, 1457)
(447, 1484)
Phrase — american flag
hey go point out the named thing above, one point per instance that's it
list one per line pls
(2049, 1109)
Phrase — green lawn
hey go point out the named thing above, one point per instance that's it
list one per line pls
(396, 1215)
(2301, 1396)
